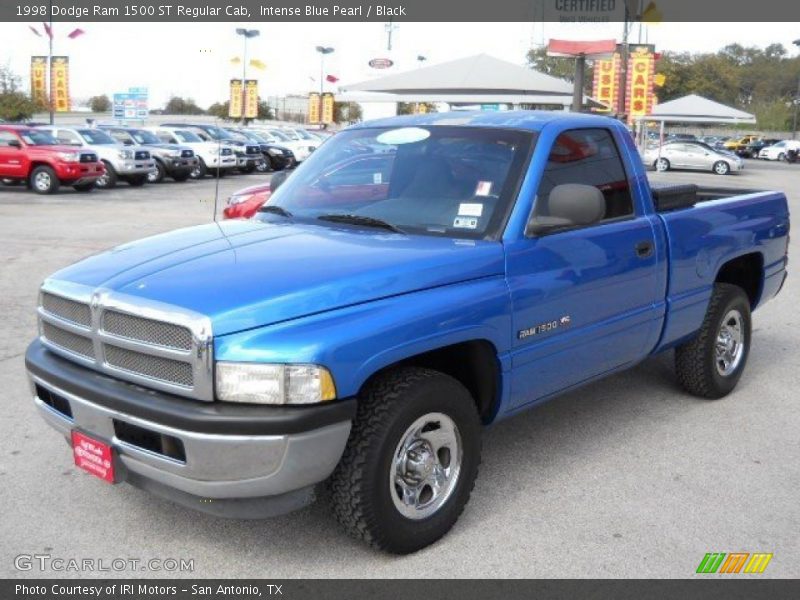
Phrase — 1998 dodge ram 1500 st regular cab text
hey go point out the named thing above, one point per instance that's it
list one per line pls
(366, 324)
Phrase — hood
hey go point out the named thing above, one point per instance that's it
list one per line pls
(246, 274)
(60, 148)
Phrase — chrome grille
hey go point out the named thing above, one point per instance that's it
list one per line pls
(88, 158)
(157, 367)
(142, 155)
(72, 342)
(226, 152)
(135, 339)
(149, 331)
(69, 310)
(187, 153)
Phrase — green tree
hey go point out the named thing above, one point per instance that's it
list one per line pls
(182, 106)
(219, 110)
(14, 104)
(100, 104)
(347, 112)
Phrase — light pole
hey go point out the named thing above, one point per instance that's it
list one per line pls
(796, 100)
(323, 50)
(246, 34)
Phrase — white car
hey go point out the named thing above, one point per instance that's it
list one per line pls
(301, 148)
(213, 156)
(778, 151)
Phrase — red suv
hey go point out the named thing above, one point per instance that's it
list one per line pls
(34, 156)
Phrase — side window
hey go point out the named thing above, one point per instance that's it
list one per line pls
(166, 137)
(68, 137)
(588, 157)
(6, 137)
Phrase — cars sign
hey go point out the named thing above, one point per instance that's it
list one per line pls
(381, 63)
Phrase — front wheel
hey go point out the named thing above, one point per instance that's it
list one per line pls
(711, 364)
(108, 179)
(84, 187)
(781, 157)
(661, 165)
(157, 174)
(138, 180)
(411, 460)
(721, 167)
(44, 180)
(199, 171)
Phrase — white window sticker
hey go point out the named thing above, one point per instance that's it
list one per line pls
(470, 210)
(484, 188)
(377, 178)
(465, 223)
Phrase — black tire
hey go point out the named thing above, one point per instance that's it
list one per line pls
(181, 177)
(248, 170)
(43, 180)
(264, 166)
(781, 157)
(661, 165)
(360, 493)
(696, 362)
(157, 175)
(200, 171)
(219, 173)
(84, 187)
(109, 180)
(137, 180)
(721, 168)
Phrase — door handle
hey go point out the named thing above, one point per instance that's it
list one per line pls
(644, 249)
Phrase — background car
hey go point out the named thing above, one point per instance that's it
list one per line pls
(213, 157)
(120, 162)
(778, 151)
(248, 153)
(172, 160)
(300, 148)
(693, 156)
(733, 144)
(681, 137)
(753, 149)
(276, 156)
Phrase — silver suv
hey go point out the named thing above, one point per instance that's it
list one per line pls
(122, 163)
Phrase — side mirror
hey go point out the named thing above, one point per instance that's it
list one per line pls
(15, 144)
(569, 205)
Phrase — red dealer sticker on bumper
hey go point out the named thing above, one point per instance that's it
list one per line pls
(92, 456)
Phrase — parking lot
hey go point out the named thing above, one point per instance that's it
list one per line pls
(628, 477)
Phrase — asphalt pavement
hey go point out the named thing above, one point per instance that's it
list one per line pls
(627, 477)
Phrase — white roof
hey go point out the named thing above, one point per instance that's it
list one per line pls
(697, 109)
(475, 74)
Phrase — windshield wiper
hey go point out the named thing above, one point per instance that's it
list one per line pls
(278, 210)
(360, 220)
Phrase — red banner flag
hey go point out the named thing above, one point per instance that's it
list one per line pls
(331, 78)
(48, 30)
(34, 30)
(75, 33)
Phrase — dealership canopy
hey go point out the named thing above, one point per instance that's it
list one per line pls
(478, 79)
(697, 109)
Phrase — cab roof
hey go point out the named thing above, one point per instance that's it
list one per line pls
(531, 120)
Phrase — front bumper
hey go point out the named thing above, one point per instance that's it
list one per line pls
(199, 454)
(77, 173)
(249, 161)
(135, 167)
(179, 166)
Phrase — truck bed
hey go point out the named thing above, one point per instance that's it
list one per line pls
(668, 197)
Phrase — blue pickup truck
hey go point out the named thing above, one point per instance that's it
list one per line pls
(417, 279)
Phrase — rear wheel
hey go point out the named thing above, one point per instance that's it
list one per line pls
(411, 460)
(248, 170)
(781, 156)
(109, 179)
(181, 176)
(711, 364)
(44, 181)
(661, 165)
(137, 180)
(721, 167)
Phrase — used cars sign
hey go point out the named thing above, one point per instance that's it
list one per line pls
(381, 63)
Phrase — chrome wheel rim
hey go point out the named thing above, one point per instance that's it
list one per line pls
(42, 181)
(661, 165)
(729, 346)
(425, 466)
(152, 176)
(722, 168)
(102, 181)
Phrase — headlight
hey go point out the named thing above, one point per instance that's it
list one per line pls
(69, 156)
(256, 383)
(275, 151)
(125, 154)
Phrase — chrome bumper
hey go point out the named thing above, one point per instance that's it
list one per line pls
(216, 466)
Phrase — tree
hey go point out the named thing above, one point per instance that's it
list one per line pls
(14, 104)
(347, 112)
(182, 106)
(100, 104)
(410, 108)
(219, 110)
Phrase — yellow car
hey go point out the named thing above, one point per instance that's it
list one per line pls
(734, 144)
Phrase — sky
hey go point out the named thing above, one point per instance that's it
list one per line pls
(193, 59)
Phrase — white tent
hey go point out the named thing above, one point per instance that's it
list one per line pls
(697, 109)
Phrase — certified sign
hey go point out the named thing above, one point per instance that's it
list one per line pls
(381, 63)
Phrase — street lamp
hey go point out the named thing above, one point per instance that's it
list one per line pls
(246, 34)
(796, 100)
(323, 50)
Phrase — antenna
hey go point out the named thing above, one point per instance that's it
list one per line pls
(219, 170)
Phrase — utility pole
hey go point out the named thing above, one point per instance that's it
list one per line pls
(246, 34)
(323, 51)
(390, 27)
(50, 66)
(796, 100)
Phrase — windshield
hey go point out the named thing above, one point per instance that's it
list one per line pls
(279, 135)
(304, 134)
(188, 136)
(96, 137)
(438, 180)
(145, 137)
(35, 137)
